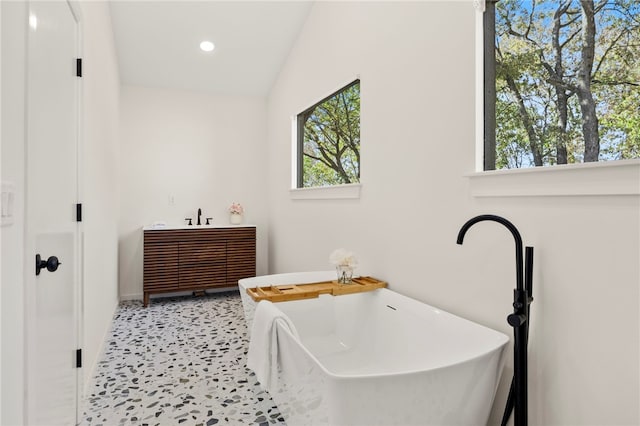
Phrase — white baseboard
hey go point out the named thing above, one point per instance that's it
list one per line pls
(134, 296)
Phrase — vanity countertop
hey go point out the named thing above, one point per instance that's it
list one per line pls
(192, 227)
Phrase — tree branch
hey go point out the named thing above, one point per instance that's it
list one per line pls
(606, 52)
(616, 83)
(570, 38)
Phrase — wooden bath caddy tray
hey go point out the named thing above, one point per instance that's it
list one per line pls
(285, 293)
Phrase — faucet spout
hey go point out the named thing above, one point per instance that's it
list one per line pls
(514, 232)
(199, 214)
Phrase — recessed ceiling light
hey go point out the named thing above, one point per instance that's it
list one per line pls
(207, 46)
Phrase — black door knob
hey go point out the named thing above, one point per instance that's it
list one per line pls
(51, 264)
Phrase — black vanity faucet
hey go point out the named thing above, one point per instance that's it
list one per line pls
(199, 214)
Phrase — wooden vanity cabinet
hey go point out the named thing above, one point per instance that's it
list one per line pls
(197, 259)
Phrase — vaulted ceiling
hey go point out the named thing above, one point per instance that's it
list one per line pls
(158, 42)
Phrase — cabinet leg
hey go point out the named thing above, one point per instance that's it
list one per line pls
(146, 300)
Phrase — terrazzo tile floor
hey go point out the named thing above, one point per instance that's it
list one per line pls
(180, 361)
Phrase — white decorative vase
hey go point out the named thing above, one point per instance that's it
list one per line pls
(235, 218)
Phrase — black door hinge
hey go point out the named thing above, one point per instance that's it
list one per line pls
(78, 67)
(78, 358)
(79, 212)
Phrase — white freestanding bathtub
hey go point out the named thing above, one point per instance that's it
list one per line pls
(380, 358)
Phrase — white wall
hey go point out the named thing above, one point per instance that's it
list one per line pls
(99, 193)
(205, 151)
(14, 15)
(416, 65)
(0, 230)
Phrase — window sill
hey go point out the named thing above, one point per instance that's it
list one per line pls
(592, 179)
(338, 192)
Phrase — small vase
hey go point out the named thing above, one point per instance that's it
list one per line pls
(235, 218)
(345, 273)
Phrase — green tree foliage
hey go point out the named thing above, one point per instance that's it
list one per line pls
(331, 140)
(567, 81)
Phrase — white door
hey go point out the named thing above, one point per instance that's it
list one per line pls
(52, 230)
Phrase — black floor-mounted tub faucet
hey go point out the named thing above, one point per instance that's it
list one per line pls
(519, 319)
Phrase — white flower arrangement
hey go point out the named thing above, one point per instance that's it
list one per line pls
(342, 257)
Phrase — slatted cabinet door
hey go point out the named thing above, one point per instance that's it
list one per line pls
(241, 255)
(202, 264)
(160, 266)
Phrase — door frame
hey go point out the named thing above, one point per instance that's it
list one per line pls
(29, 235)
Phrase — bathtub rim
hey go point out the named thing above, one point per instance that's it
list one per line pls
(498, 346)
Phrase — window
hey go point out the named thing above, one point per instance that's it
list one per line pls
(328, 139)
(561, 82)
